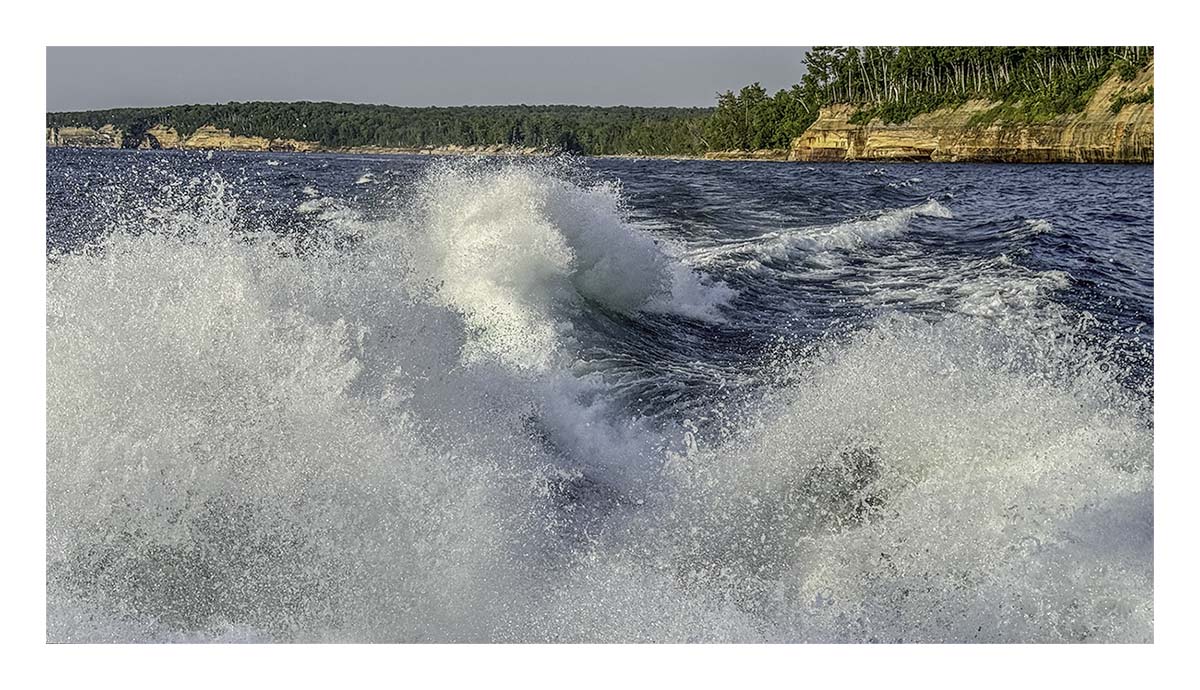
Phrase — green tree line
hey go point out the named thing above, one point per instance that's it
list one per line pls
(577, 129)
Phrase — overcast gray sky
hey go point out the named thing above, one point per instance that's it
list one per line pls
(81, 78)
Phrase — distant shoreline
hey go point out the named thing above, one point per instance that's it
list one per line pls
(1082, 104)
(765, 156)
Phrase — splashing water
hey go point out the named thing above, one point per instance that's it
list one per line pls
(412, 426)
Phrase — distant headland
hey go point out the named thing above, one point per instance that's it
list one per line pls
(1029, 105)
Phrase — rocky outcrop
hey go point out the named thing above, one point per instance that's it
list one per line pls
(209, 137)
(106, 137)
(977, 131)
(160, 137)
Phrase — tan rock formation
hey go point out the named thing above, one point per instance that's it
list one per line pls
(209, 137)
(107, 137)
(160, 137)
(962, 134)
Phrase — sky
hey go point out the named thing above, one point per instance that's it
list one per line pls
(87, 78)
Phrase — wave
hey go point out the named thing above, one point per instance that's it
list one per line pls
(776, 247)
(512, 247)
(387, 440)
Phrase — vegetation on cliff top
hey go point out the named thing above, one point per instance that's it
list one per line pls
(896, 84)
(887, 82)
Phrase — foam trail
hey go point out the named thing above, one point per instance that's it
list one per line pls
(849, 235)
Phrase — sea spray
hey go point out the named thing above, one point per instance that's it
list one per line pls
(513, 247)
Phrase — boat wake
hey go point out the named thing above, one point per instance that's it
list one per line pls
(385, 430)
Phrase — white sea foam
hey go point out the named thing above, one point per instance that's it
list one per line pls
(995, 287)
(1038, 226)
(247, 443)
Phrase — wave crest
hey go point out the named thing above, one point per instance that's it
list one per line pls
(814, 242)
(512, 247)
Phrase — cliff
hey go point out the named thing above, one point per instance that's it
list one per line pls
(209, 137)
(160, 137)
(978, 131)
(107, 137)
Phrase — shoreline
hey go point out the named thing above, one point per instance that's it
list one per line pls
(714, 156)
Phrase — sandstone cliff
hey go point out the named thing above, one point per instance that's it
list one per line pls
(964, 134)
(160, 137)
(107, 137)
(209, 137)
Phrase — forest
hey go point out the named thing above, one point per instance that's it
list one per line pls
(894, 83)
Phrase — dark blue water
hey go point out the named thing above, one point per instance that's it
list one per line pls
(313, 397)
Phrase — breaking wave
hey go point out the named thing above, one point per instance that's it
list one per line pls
(512, 248)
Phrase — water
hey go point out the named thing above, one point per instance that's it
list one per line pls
(352, 398)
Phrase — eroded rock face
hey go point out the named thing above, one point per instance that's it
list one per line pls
(160, 137)
(106, 137)
(1096, 135)
(209, 137)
